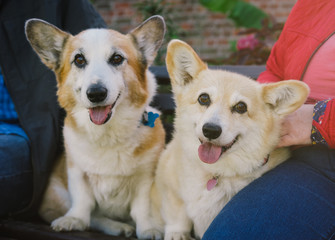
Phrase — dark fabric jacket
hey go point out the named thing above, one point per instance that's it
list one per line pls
(31, 85)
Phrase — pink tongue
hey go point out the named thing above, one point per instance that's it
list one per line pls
(209, 153)
(98, 115)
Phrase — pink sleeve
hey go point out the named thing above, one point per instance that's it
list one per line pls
(267, 77)
(274, 66)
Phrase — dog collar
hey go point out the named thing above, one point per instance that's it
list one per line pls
(211, 183)
(266, 159)
(149, 118)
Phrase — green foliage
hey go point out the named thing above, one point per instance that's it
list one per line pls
(148, 8)
(258, 55)
(242, 13)
(233, 46)
(255, 22)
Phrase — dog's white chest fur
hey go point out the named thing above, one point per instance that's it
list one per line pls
(100, 155)
(107, 172)
(112, 195)
(202, 205)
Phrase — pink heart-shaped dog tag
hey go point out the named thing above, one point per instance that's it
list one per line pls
(212, 183)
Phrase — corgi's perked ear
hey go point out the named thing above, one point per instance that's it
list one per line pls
(286, 96)
(183, 64)
(47, 40)
(149, 37)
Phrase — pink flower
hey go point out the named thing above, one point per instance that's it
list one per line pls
(248, 42)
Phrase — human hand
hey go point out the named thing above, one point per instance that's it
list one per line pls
(296, 127)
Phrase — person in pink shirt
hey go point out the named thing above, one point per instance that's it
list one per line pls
(296, 200)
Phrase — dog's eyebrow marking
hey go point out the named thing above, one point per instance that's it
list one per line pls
(81, 50)
(77, 51)
(116, 50)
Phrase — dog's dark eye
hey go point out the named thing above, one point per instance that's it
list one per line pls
(204, 99)
(80, 61)
(240, 108)
(116, 59)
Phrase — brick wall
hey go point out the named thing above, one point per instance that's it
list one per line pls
(209, 33)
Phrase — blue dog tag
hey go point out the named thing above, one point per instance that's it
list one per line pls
(149, 118)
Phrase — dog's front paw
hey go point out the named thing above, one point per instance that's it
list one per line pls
(127, 230)
(178, 236)
(150, 234)
(68, 223)
(122, 229)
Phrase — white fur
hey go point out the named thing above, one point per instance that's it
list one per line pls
(110, 167)
(181, 177)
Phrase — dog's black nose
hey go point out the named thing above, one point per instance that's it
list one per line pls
(96, 93)
(211, 130)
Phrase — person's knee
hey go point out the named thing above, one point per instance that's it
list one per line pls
(317, 158)
(16, 174)
(14, 155)
(283, 201)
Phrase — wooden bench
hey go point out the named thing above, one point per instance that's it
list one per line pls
(11, 229)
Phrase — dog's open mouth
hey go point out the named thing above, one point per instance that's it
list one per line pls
(101, 114)
(210, 153)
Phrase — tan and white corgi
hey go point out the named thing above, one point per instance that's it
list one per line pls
(226, 131)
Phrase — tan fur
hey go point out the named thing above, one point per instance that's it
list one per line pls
(180, 194)
(137, 68)
(151, 140)
(138, 94)
(65, 67)
(103, 180)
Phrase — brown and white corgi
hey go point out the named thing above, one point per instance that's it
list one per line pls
(104, 178)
